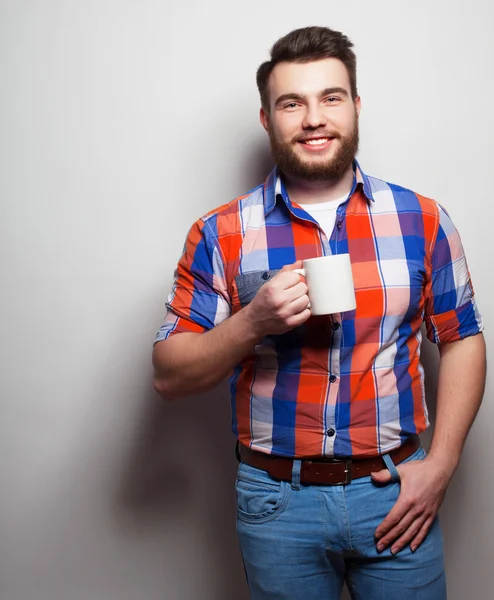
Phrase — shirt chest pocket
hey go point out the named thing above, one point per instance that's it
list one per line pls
(248, 284)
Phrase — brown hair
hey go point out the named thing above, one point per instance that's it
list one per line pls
(306, 45)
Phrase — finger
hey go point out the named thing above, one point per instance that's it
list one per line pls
(286, 280)
(295, 292)
(298, 305)
(420, 537)
(409, 535)
(299, 319)
(397, 531)
(298, 264)
(412, 530)
(395, 515)
(383, 476)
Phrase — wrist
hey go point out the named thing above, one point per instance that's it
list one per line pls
(445, 464)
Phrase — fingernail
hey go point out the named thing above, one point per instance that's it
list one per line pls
(380, 547)
(394, 550)
(413, 548)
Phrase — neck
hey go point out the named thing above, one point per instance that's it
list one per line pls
(312, 192)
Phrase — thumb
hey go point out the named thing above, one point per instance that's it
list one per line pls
(298, 264)
(383, 476)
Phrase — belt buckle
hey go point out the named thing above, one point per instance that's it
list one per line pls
(348, 471)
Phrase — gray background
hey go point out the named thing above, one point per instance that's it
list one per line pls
(121, 122)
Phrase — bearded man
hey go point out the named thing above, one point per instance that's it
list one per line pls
(333, 484)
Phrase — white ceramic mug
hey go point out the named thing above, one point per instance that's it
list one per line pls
(330, 283)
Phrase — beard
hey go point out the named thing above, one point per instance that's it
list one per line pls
(290, 163)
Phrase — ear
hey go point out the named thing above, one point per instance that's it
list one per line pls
(358, 105)
(264, 118)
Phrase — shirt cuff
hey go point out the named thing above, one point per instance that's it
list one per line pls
(455, 324)
(174, 324)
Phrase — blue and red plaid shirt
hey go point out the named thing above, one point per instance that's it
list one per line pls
(349, 384)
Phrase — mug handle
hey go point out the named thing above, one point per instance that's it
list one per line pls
(302, 272)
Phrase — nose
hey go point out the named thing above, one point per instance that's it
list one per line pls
(314, 116)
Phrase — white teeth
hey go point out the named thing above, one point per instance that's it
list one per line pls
(318, 142)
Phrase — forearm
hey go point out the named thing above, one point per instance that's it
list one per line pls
(461, 383)
(191, 363)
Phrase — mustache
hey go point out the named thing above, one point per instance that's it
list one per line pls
(309, 136)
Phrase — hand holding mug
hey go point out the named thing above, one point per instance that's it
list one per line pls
(280, 304)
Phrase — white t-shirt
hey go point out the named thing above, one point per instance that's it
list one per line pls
(325, 213)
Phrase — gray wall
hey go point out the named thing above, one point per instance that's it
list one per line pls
(121, 123)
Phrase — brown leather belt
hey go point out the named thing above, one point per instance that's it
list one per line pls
(325, 471)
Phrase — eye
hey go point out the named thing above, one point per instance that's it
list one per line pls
(332, 99)
(291, 105)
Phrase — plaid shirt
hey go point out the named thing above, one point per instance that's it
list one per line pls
(350, 384)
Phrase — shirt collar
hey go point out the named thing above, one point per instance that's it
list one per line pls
(275, 188)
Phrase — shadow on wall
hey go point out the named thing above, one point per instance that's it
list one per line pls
(182, 467)
(180, 475)
(260, 165)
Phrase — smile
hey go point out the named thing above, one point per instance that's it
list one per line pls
(317, 141)
(317, 144)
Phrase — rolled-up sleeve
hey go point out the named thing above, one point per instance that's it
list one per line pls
(199, 298)
(450, 311)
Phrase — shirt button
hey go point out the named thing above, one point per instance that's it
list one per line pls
(330, 432)
(338, 224)
(332, 379)
(266, 275)
(335, 325)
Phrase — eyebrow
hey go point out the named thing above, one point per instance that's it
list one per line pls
(325, 92)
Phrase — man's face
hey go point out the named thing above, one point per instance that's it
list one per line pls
(312, 121)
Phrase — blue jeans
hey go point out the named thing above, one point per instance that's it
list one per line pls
(303, 542)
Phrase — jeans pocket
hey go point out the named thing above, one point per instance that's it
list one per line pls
(419, 454)
(259, 497)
